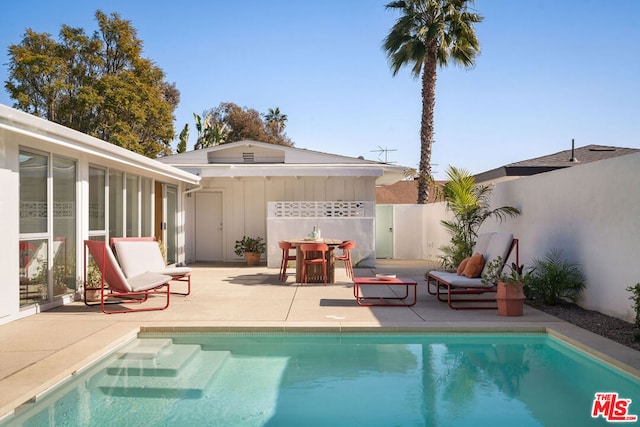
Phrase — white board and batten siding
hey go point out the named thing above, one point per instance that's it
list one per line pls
(245, 210)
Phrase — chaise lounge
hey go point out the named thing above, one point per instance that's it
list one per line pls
(115, 288)
(139, 254)
(452, 288)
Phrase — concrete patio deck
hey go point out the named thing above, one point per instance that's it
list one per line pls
(39, 351)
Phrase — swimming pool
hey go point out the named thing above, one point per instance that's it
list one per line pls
(259, 379)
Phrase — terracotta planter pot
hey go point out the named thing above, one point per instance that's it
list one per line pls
(510, 299)
(94, 295)
(252, 258)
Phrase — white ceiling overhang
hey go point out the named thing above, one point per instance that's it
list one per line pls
(384, 174)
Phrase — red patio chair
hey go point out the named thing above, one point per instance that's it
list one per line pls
(140, 254)
(114, 284)
(346, 247)
(314, 254)
(286, 257)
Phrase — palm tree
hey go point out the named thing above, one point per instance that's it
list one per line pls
(470, 206)
(275, 118)
(431, 33)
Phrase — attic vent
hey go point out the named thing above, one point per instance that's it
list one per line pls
(248, 157)
(602, 149)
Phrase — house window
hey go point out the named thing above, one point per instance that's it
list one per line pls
(97, 201)
(133, 206)
(146, 207)
(116, 203)
(34, 243)
(63, 245)
(47, 226)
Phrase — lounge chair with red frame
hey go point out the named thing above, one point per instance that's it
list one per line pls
(115, 288)
(139, 254)
(453, 289)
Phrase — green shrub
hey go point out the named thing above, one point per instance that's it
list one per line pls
(635, 297)
(554, 279)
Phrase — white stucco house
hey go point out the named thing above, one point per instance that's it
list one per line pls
(277, 192)
(61, 187)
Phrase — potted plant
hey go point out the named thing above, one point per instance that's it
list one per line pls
(252, 248)
(93, 283)
(510, 293)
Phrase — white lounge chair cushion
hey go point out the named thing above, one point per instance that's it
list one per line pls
(118, 282)
(498, 247)
(483, 242)
(174, 271)
(137, 257)
(459, 281)
(146, 281)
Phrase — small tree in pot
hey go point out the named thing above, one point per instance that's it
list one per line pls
(252, 248)
(510, 294)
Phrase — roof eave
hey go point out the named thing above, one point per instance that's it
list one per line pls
(26, 124)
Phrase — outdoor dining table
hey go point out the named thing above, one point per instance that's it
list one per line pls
(314, 272)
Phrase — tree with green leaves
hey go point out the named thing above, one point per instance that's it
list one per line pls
(470, 206)
(229, 122)
(427, 34)
(182, 139)
(99, 85)
(210, 131)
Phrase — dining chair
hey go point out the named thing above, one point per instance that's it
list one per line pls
(314, 254)
(286, 257)
(346, 247)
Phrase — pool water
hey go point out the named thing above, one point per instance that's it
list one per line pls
(255, 379)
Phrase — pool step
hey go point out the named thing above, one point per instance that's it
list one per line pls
(165, 364)
(144, 349)
(177, 371)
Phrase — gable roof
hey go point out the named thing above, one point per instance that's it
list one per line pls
(559, 160)
(253, 158)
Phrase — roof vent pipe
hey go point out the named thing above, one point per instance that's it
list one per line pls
(573, 152)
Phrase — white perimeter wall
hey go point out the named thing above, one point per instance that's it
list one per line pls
(592, 213)
(417, 232)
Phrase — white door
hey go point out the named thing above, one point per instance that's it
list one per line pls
(208, 226)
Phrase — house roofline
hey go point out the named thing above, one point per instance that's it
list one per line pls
(31, 126)
(517, 171)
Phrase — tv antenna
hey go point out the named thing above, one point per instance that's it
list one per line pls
(382, 151)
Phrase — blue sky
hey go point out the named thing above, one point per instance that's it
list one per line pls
(549, 71)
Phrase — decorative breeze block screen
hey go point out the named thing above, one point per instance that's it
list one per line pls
(320, 209)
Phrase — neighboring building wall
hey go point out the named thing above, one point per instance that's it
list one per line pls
(244, 201)
(592, 213)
